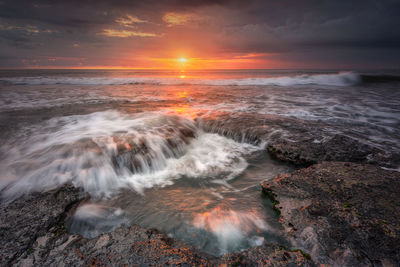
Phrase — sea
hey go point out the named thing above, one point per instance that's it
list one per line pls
(132, 140)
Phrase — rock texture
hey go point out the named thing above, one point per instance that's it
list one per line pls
(269, 255)
(343, 214)
(32, 233)
(27, 218)
(126, 246)
(135, 246)
(298, 141)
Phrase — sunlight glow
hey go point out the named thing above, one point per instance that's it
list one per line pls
(184, 61)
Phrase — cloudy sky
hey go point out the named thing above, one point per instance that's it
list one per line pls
(209, 34)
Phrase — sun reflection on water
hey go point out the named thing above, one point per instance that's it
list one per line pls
(220, 219)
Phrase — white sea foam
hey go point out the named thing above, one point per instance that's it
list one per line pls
(92, 210)
(106, 151)
(231, 227)
(91, 220)
(336, 79)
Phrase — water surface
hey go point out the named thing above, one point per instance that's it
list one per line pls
(129, 138)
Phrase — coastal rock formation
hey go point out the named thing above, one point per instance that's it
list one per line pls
(298, 141)
(343, 214)
(135, 246)
(29, 217)
(33, 234)
(135, 153)
(269, 255)
(126, 246)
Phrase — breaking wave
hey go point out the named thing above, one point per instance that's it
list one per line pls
(105, 151)
(337, 79)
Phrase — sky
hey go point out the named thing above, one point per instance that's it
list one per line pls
(254, 34)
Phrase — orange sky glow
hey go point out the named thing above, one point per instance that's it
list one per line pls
(209, 34)
(133, 42)
(177, 63)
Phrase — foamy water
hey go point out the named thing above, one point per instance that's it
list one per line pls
(110, 153)
(106, 151)
(130, 140)
(337, 79)
(92, 219)
(232, 227)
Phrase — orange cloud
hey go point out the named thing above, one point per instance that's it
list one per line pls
(176, 19)
(129, 21)
(125, 34)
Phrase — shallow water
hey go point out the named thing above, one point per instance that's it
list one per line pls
(215, 215)
(129, 139)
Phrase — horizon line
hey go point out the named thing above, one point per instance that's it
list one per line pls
(188, 70)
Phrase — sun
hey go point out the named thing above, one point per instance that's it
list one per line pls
(182, 59)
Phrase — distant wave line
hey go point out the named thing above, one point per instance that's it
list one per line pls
(337, 79)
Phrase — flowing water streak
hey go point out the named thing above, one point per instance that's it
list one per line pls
(106, 151)
(152, 142)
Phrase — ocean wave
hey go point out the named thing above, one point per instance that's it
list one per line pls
(337, 79)
(104, 152)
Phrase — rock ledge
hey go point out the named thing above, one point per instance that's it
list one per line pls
(343, 214)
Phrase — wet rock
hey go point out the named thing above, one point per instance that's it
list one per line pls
(335, 148)
(136, 246)
(33, 233)
(298, 141)
(137, 154)
(131, 246)
(29, 217)
(269, 255)
(343, 214)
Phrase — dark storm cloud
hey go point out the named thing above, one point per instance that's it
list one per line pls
(67, 14)
(328, 23)
(79, 13)
(282, 27)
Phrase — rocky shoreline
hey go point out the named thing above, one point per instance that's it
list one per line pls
(339, 209)
(300, 142)
(342, 213)
(32, 233)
